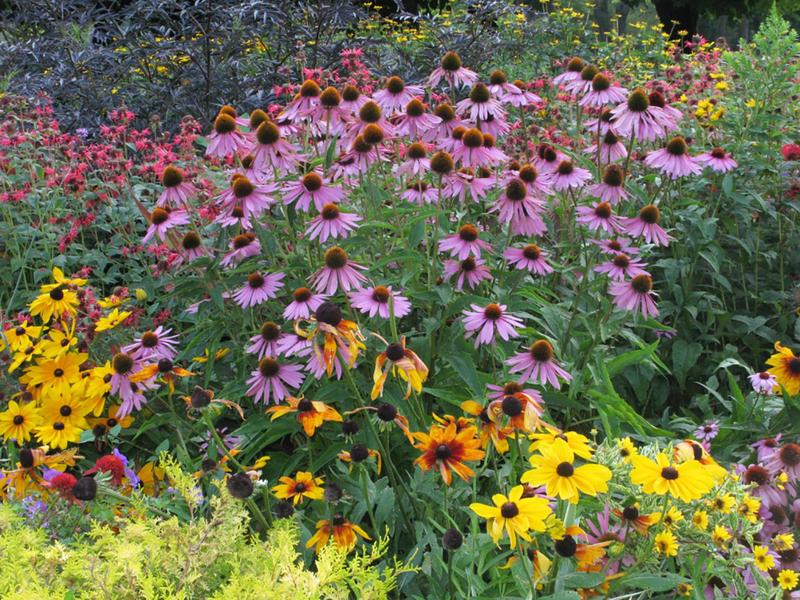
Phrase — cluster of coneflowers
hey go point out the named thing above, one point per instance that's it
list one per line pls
(308, 169)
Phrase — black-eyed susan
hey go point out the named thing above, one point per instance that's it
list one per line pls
(401, 361)
(514, 515)
(786, 369)
(722, 503)
(164, 369)
(631, 516)
(578, 443)
(520, 411)
(687, 481)
(788, 579)
(61, 280)
(671, 517)
(18, 421)
(338, 335)
(21, 336)
(358, 453)
(566, 543)
(749, 507)
(343, 531)
(626, 448)
(102, 425)
(555, 469)
(489, 429)
(56, 375)
(302, 485)
(111, 320)
(684, 589)
(28, 472)
(700, 519)
(58, 433)
(68, 409)
(721, 535)
(692, 450)
(218, 354)
(311, 414)
(447, 449)
(763, 558)
(665, 543)
(541, 565)
(58, 302)
(57, 342)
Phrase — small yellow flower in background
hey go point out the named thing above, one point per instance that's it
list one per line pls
(554, 468)
(671, 517)
(717, 75)
(700, 519)
(684, 589)
(666, 543)
(112, 319)
(723, 504)
(783, 542)
(781, 479)
(762, 558)
(217, 355)
(788, 579)
(721, 535)
(513, 514)
(721, 86)
(304, 485)
(749, 507)
(751, 103)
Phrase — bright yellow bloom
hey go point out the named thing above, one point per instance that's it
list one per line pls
(788, 579)
(304, 485)
(786, 369)
(723, 504)
(404, 363)
(18, 421)
(56, 302)
(311, 414)
(343, 531)
(68, 409)
(783, 542)
(721, 535)
(579, 444)
(513, 514)
(684, 589)
(751, 103)
(686, 481)
(626, 449)
(666, 543)
(763, 559)
(217, 355)
(57, 343)
(21, 336)
(61, 281)
(56, 375)
(114, 318)
(447, 448)
(749, 507)
(721, 86)
(672, 516)
(58, 434)
(554, 468)
(700, 519)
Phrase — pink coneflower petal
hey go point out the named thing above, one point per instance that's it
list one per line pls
(488, 322)
(272, 379)
(470, 271)
(537, 364)
(338, 272)
(465, 242)
(531, 257)
(374, 301)
(331, 223)
(258, 288)
(635, 295)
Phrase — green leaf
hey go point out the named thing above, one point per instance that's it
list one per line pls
(583, 580)
(653, 583)
(618, 363)
(464, 365)
(570, 595)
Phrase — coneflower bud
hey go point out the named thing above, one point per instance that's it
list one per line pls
(415, 108)
(171, 176)
(387, 412)
(350, 93)
(268, 133)
(85, 489)
(310, 89)
(330, 97)
(240, 486)
(445, 112)
(451, 61)
(452, 539)
(328, 312)
(224, 123)
(257, 117)
(588, 72)
(442, 163)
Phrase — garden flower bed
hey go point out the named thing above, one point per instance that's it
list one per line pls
(469, 336)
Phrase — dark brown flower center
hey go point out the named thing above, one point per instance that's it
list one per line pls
(565, 167)
(509, 510)
(445, 112)
(468, 233)
(516, 190)
(268, 133)
(443, 452)
(613, 176)
(270, 331)
(312, 182)
(350, 93)
(468, 264)
(159, 216)
(528, 173)
(512, 406)
(58, 426)
(19, 419)
(642, 284)
(243, 240)
(190, 241)
(310, 89)
(302, 294)
(330, 212)
(269, 367)
(330, 97)
(600, 83)
(575, 65)
(442, 163)
(718, 153)
(480, 93)
(650, 214)
(243, 187)
(472, 138)
(669, 473)
(122, 363)
(790, 455)
(415, 151)
(657, 99)
(630, 513)
(588, 72)
(677, 146)
(165, 365)
(622, 260)
(498, 77)
(335, 258)
(380, 294)
(531, 252)
(224, 124)
(793, 365)
(305, 405)
(370, 112)
(542, 351)
(638, 101)
(257, 117)
(493, 312)
(603, 210)
(395, 85)
(395, 352)
(415, 108)
(565, 469)
(451, 61)
(255, 280)
(149, 339)
(58, 373)
(329, 313)
(171, 176)
(373, 134)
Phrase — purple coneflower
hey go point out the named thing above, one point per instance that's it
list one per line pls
(707, 431)
(621, 267)
(469, 182)
(673, 159)
(357, 160)
(416, 162)
(396, 94)
(583, 84)
(177, 190)
(192, 246)
(499, 85)
(611, 189)
(571, 73)
(637, 117)
(567, 176)
(764, 382)
(253, 198)
(763, 488)
(611, 149)
(537, 364)
(547, 158)
(352, 99)
(369, 122)
(599, 216)
(226, 139)
(337, 272)
(311, 188)
(671, 115)
(453, 72)
(785, 459)
(375, 301)
(766, 447)
(306, 100)
(420, 193)
(635, 295)
(124, 366)
(719, 160)
(521, 210)
(415, 122)
(646, 224)
(614, 246)
(448, 121)
(267, 341)
(470, 150)
(480, 104)
(164, 219)
(153, 345)
(258, 288)
(242, 246)
(271, 151)
(494, 126)
(472, 270)
(498, 392)
(331, 223)
(531, 257)
(303, 304)
(329, 117)
(490, 321)
(601, 123)
(465, 242)
(538, 184)
(603, 92)
(272, 378)
(520, 98)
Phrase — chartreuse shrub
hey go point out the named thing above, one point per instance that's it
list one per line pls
(147, 557)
